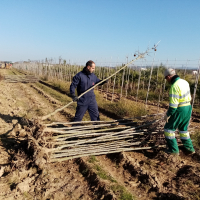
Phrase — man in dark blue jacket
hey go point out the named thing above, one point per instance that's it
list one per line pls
(83, 81)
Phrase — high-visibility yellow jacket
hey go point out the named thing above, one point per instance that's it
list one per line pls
(179, 95)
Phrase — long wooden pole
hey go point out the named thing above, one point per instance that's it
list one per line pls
(195, 87)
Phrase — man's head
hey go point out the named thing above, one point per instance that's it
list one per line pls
(90, 66)
(168, 74)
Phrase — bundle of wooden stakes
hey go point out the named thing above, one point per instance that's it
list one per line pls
(77, 139)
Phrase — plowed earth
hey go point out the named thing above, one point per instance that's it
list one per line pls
(149, 174)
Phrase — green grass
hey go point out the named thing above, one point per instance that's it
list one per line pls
(121, 191)
(102, 174)
(85, 171)
(92, 159)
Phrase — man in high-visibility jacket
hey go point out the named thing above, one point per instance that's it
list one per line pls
(178, 114)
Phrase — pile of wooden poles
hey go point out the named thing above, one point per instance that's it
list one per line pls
(77, 139)
(20, 78)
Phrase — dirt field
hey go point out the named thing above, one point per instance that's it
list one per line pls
(149, 174)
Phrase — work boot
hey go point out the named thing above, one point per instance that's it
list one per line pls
(171, 153)
(188, 145)
(191, 152)
(172, 145)
(188, 152)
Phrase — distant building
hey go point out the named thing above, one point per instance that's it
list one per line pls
(5, 64)
(194, 72)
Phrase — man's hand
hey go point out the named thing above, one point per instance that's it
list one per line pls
(74, 97)
(166, 118)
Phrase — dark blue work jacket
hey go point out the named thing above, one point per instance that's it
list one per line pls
(83, 81)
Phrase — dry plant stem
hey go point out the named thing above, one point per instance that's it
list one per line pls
(86, 122)
(97, 144)
(62, 142)
(75, 145)
(127, 135)
(60, 109)
(85, 127)
(86, 135)
(85, 141)
(91, 150)
(102, 145)
(138, 85)
(149, 81)
(70, 133)
(78, 128)
(81, 122)
(122, 83)
(113, 88)
(195, 87)
(113, 134)
(91, 142)
(128, 81)
(116, 151)
(164, 84)
(159, 97)
(72, 129)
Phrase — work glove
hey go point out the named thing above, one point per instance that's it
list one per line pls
(166, 118)
(74, 97)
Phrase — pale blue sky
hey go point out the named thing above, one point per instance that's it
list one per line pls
(79, 30)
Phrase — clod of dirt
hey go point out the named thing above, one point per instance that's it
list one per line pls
(24, 186)
(14, 121)
(30, 144)
(2, 171)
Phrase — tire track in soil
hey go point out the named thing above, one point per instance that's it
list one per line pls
(156, 175)
(69, 116)
(101, 189)
(114, 166)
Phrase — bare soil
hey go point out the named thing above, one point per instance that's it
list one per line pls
(149, 174)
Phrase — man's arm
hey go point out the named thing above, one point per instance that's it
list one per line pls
(73, 86)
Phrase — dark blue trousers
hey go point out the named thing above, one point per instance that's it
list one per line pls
(92, 108)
